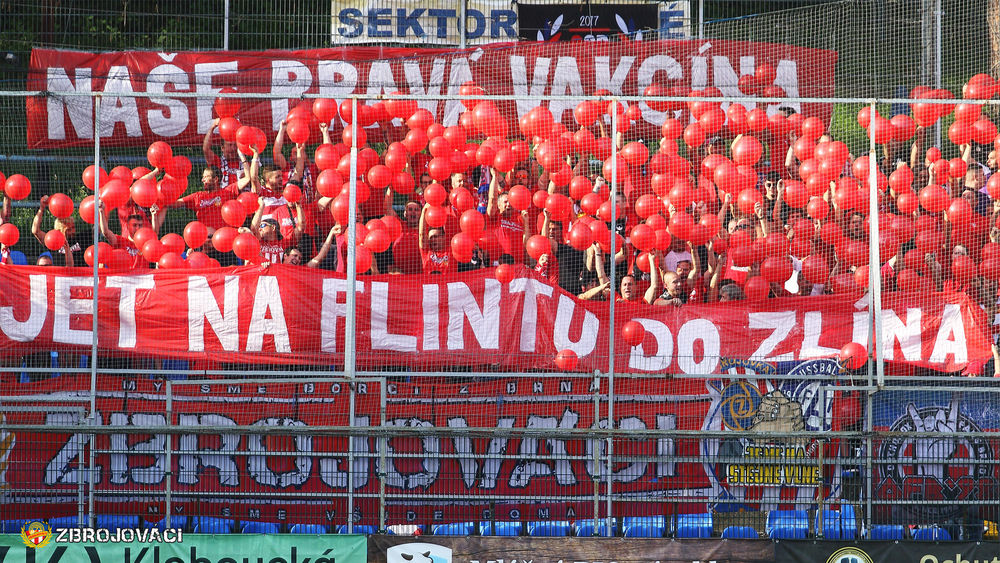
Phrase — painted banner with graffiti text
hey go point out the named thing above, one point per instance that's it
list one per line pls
(292, 315)
(137, 107)
(510, 448)
(434, 469)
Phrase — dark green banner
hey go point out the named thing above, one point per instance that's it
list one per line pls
(192, 548)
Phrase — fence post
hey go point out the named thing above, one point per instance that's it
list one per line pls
(225, 25)
(612, 266)
(869, 455)
(169, 447)
(349, 321)
(874, 259)
(92, 417)
(382, 446)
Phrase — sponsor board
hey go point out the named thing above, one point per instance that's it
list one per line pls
(878, 552)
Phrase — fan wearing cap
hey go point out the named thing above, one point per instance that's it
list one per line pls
(273, 243)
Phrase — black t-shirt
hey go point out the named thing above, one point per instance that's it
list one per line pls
(571, 261)
(78, 244)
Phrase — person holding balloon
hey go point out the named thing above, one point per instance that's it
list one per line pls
(273, 242)
(230, 163)
(64, 224)
(140, 242)
(207, 203)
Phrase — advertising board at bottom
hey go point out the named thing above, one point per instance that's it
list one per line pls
(476, 549)
(877, 551)
(49, 545)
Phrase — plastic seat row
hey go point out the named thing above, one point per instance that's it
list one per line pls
(198, 524)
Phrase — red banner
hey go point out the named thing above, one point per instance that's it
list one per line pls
(286, 314)
(58, 119)
(292, 315)
(459, 474)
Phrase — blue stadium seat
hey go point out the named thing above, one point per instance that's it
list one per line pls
(585, 528)
(644, 526)
(12, 526)
(830, 523)
(887, 532)
(453, 529)
(848, 522)
(261, 528)
(694, 525)
(931, 534)
(64, 522)
(501, 528)
(555, 528)
(211, 525)
(788, 524)
(116, 521)
(176, 521)
(366, 530)
(17, 258)
(180, 366)
(308, 529)
(740, 532)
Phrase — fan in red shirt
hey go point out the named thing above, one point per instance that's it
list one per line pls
(406, 253)
(434, 251)
(273, 243)
(207, 203)
(504, 221)
(132, 224)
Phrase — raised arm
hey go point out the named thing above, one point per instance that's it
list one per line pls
(36, 223)
(206, 144)
(491, 202)
(105, 229)
(279, 144)
(157, 217)
(325, 249)
(255, 221)
(300, 222)
(655, 283)
(422, 228)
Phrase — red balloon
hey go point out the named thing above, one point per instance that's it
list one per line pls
(694, 136)
(246, 247)
(171, 261)
(747, 150)
(436, 216)
(17, 187)
(462, 246)
(195, 234)
(60, 205)
(775, 269)
(963, 269)
(815, 269)
(173, 242)
(472, 222)
(520, 198)
(114, 194)
(580, 236)
(633, 333)
(504, 273)
(566, 360)
(378, 240)
(88, 177)
(748, 198)
(537, 245)
(9, 235)
(227, 106)
(292, 193)
(812, 128)
(222, 240)
(435, 195)
(959, 212)
(144, 192)
(756, 288)
(933, 198)
(153, 250)
(159, 154)
(233, 213)
(853, 355)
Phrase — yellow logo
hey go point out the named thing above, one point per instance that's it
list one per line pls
(849, 555)
(36, 534)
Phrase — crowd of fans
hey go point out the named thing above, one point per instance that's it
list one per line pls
(715, 209)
